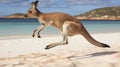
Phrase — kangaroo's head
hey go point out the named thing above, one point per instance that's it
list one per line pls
(33, 11)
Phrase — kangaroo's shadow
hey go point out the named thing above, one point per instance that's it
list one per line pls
(102, 53)
(94, 54)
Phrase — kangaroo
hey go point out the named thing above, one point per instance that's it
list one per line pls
(67, 24)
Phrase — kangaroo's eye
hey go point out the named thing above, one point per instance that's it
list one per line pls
(30, 11)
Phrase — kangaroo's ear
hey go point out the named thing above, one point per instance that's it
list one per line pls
(34, 4)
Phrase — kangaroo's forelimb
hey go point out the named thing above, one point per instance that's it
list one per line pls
(39, 29)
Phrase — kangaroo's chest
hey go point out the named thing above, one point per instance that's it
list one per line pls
(55, 21)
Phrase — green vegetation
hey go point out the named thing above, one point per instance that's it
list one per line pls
(100, 12)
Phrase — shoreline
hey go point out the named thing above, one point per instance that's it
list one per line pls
(80, 18)
(52, 35)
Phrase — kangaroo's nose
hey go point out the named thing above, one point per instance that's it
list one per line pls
(25, 16)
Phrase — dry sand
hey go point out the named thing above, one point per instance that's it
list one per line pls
(30, 52)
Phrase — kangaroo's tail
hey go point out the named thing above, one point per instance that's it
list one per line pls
(92, 40)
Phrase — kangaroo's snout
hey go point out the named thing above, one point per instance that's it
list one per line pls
(25, 16)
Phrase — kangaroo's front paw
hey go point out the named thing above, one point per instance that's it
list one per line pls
(39, 36)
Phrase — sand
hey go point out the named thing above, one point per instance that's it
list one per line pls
(30, 52)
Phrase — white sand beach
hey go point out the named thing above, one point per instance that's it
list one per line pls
(30, 52)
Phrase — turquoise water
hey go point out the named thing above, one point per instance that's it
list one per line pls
(13, 27)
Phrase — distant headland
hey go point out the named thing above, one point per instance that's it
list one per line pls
(106, 13)
(16, 15)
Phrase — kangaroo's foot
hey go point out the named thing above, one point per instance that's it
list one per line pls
(105, 45)
(55, 44)
(50, 46)
(33, 35)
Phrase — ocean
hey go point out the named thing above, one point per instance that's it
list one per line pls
(19, 27)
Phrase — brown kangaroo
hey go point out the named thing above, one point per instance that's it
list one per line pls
(66, 23)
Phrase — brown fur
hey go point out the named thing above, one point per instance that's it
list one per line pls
(67, 24)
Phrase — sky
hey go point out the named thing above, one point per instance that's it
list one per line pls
(73, 7)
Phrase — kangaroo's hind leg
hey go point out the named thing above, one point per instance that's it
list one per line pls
(63, 42)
